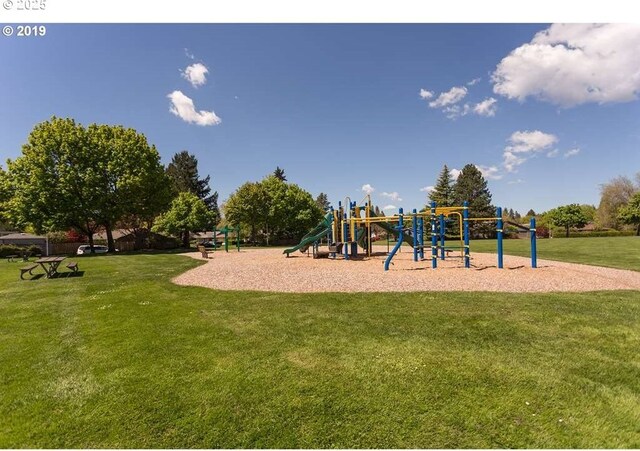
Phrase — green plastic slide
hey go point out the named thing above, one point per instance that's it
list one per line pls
(391, 229)
(314, 235)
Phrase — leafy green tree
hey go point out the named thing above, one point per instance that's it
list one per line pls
(292, 210)
(279, 174)
(53, 183)
(188, 213)
(442, 193)
(129, 175)
(323, 202)
(273, 207)
(589, 212)
(248, 205)
(84, 178)
(183, 172)
(567, 216)
(630, 213)
(472, 187)
(613, 195)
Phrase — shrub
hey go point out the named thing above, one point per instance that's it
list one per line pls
(13, 249)
(597, 233)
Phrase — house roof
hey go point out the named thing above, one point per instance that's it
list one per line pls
(117, 233)
(22, 236)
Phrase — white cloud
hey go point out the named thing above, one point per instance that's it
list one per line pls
(453, 96)
(573, 64)
(523, 142)
(196, 74)
(553, 153)
(188, 54)
(389, 207)
(489, 172)
(455, 173)
(510, 161)
(487, 107)
(515, 182)
(424, 94)
(394, 196)
(368, 188)
(474, 81)
(523, 145)
(572, 153)
(427, 189)
(182, 106)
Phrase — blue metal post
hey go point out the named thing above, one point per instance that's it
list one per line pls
(499, 230)
(345, 236)
(434, 237)
(465, 227)
(398, 244)
(442, 236)
(421, 236)
(414, 230)
(534, 252)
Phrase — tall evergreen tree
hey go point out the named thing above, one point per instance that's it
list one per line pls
(183, 172)
(323, 202)
(279, 174)
(442, 193)
(531, 213)
(472, 187)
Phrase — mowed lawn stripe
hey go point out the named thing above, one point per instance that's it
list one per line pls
(120, 357)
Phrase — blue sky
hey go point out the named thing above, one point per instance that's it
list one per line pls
(548, 117)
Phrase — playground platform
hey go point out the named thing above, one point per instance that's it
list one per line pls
(266, 270)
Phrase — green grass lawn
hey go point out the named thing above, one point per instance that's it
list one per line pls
(616, 252)
(120, 357)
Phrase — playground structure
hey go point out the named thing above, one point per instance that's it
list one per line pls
(226, 231)
(350, 226)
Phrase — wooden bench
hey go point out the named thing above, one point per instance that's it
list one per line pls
(27, 269)
(203, 251)
(12, 258)
(73, 266)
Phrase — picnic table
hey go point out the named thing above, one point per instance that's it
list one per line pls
(12, 258)
(50, 264)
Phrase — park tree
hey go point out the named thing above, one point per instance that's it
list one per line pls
(183, 172)
(442, 193)
(530, 213)
(630, 213)
(130, 177)
(323, 202)
(613, 195)
(278, 209)
(472, 187)
(5, 195)
(248, 205)
(53, 184)
(84, 178)
(567, 216)
(188, 213)
(279, 174)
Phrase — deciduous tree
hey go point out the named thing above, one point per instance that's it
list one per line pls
(188, 213)
(567, 216)
(614, 195)
(630, 213)
(183, 172)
